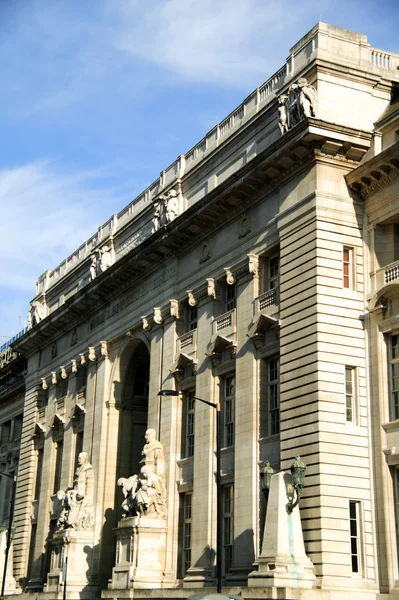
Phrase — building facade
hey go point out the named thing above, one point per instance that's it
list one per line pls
(259, 273)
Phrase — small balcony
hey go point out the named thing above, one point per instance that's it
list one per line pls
(268, 303)
(225, 325)
(388, 274)
(187, 343)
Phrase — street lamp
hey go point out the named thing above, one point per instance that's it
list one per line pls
(216, 406)
(9, 531)
(298, 470)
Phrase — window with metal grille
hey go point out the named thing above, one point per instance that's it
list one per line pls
(228, 409)
(228, 532)
(274, 395)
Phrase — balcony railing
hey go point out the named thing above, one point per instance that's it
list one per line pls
(224, 325)
(187, 343)
(388, 274)
(268, 302)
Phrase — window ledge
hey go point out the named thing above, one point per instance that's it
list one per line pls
(391, 425)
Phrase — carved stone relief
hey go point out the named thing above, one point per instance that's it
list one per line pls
(191, 298)
(229, 276)
(205, 253)
(211, 289)
(245, 226)
(74, 337)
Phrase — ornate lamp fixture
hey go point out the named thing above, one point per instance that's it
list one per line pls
(266, 472)
(298, 470)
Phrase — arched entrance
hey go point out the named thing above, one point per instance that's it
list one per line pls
(134, 411)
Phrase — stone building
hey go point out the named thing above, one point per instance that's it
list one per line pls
(259, 272)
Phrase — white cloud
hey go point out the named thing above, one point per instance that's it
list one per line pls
(46, 213)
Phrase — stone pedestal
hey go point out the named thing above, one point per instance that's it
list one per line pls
(140, 554)
(11, 586)
(71, 560)
(282, 562)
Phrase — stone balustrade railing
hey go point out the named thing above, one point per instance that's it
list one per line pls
(268, 302)
(388, 274)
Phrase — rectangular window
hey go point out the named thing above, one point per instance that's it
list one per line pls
(192, 318)
(350, 394)
(354, 527)
(188, 425)
(228, 518)
(231, 297)
(228, 410)
(394, 376)
(274, 272)
(273, 394)
(347, 268)
(58, 466)
(39, 471)
(187, 531)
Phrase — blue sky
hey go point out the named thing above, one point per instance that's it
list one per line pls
(97, 97)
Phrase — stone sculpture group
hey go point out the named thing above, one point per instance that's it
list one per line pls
(300, 101)
(166, 209)
(145, 493)
(77, 501)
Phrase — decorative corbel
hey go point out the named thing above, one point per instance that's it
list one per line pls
(158, 315)
(253, 264)
(104, 349)
(146, 323)
(83, 360)
(229, 276)
(211, 288)
(74, 366)
(191, 298)
(64, 374)
(92, 353)
(53, 377)
(44, 384)
(174, 308)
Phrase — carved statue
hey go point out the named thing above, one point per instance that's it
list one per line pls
(151, 493)
(105, 258)
(307, 98)
(282, 113)
(78, 511)
(36, 313)
(145, 493)
(166, 209)
(299, 102)
(152, 452)
(93, 267)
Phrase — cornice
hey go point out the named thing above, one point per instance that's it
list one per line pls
(376, 173)
(289, 154)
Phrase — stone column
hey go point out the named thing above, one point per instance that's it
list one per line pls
(246, 439)
(25, 482)
(203, 532)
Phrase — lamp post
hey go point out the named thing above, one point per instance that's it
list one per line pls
(216, 406)
(9, 531)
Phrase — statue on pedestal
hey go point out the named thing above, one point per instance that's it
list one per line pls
(145, 493)
(78, 511)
